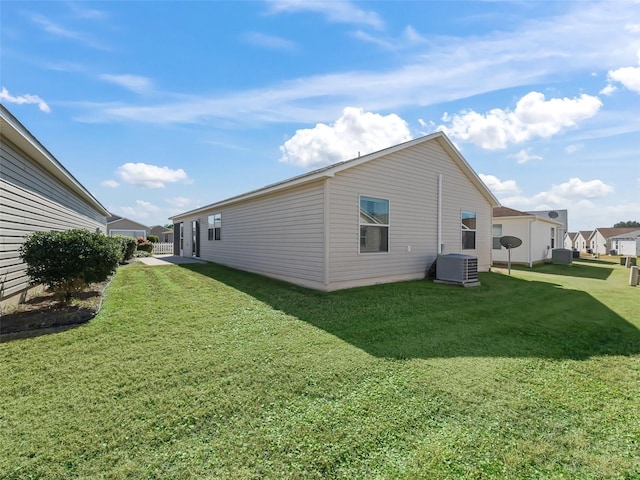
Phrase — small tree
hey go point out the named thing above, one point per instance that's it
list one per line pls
(153, 238)
(128, 246)
(69, 261)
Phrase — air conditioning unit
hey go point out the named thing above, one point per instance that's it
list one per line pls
(458, 269)
(561, 256)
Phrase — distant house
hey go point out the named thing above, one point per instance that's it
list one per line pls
(599, 241)
(163, 233)
(559, 216)
(626, 244)
(570, 240)
(379, 218)
(539, 236)
(582, 240)
(37, 193)
(129, 228)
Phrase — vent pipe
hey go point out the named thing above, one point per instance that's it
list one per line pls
(440, 245)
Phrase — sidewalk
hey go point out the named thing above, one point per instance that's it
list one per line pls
(168, 260)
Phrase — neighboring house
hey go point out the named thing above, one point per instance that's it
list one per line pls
(626, 244)
(570, 240)
(558, 216)
(599, 240)
(379, 218)
(582, 240)
(163, 233)
(539, 236)
(37, 193)
(123, 226)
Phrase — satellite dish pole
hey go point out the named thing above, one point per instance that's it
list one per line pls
(510, 242)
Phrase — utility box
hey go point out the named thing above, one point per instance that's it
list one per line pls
(561, 256)
(458, 269)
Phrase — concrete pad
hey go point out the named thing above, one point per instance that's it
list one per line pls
(168, 260)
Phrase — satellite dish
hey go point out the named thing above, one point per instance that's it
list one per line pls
(510, 242)
(553, 214)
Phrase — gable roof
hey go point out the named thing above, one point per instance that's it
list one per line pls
(586, 234)
(572, 235)
(331, 170)
(509, 212)
(16, 133)
(633, 234)
(111, 221)
(611, 232)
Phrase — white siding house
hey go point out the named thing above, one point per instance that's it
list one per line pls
(582, 240)
(378, 218)
(626, 244)
(539, 236)
(36, 194)
(600, 242)
(570, 240)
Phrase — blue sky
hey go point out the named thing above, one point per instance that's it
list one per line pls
(161, 107)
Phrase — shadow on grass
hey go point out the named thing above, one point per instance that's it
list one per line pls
(504, 317)
(579, 269)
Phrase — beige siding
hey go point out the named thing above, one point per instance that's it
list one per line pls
(125, 224)
(32, 200)
(409, 180)
(281, 235)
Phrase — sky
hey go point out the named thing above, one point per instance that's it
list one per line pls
(160, 107)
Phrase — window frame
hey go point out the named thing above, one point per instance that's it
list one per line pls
(382, 226)
(493, 236)
(466, 229)
(214, 227)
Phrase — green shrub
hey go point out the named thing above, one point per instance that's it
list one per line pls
(128, 246)
(69, 261)
(145, 246)
(153, 238)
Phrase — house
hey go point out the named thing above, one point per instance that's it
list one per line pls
(382, 217)
(570, 240)
(599, 241)
(582, 240)
(164, 234)
(626, 244)
(558, 216)
(129, 228)
(539, 236)
(37, 193)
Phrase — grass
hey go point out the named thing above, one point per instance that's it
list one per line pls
(206, 372)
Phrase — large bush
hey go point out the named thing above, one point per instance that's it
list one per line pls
(69, 261)
(144, 245)
(127, 245)
(153, 238)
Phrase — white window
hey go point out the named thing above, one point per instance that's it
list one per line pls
(468, 225)
(215, 227)
(374, 225)
(497, 233)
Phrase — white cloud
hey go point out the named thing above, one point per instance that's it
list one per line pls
(499, 187)
(110, 184)
(355, 132)
(149, 176)
(135, 83)
(59, 31)
(523, 156)
(588, 37)
(24, 99)
(533, 117)
(338, 11)
(574, 194)
(179, 202)
(629, 77)
(571, 149)
(269, 41)
(142, 210)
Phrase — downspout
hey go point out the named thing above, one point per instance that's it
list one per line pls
(327, 234)
(440, 246)
(530, 246)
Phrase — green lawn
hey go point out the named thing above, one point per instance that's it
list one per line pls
(201, 371)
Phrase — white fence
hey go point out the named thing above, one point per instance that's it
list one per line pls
(162, 248)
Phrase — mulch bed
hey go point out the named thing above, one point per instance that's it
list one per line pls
(43, 313)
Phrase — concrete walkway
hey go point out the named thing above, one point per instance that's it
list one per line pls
(168, 260)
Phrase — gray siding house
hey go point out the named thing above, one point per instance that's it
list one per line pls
(36, 194)
(129, 228)
(379, 218)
